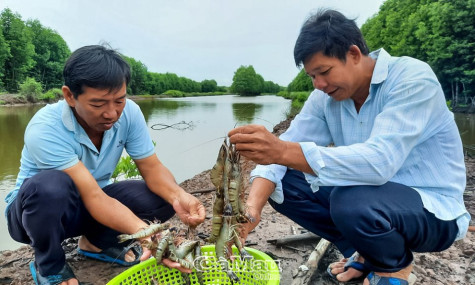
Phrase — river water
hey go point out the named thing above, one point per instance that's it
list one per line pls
(186, 148)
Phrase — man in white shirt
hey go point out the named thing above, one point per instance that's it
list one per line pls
(393, 184)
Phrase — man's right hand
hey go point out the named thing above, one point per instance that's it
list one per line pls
(260, 191)
(254, 217)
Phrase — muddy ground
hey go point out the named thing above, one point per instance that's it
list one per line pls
(455, 265)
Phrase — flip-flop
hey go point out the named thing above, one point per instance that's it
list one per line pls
(375, 279)
(351, 263)
(115, 254)
(64, 274)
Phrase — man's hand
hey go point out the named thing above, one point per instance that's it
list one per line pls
(189, 209)
(167, 262)
(260, 191)
(246, 228)
(261, 146)
(257, 143)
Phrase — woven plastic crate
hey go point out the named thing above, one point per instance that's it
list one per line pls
(261, 270)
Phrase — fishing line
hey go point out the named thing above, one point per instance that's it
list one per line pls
(181, 126)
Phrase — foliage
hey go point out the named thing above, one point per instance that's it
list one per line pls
(31, 90)
(284, 93)
(19, 59)
(298, 98)
(51, 95)
(440, 33)
(125, 168)
(271, 87)
(247, 82)
(51, 52)
(32, 50)
(216, 93)
(301, 82)
(138, 78)
(209, 86)
(4, 55)
(158, 83)
(174, 93)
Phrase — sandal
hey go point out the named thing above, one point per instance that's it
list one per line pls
(351, 263)
(375, 279)
(64, 274)
(115, 254)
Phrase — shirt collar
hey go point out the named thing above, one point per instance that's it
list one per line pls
(67, 117)
(380, 72)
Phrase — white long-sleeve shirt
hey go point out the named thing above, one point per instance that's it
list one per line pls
(403, 133)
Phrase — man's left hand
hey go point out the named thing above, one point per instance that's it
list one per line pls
(189, 209)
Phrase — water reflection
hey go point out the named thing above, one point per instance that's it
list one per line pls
(466, 125)
(150, 107)
(13, 122)
(245, 113)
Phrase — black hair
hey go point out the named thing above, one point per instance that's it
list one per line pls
(329, 32)
(95, 66)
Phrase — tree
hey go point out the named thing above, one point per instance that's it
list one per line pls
(19, 39)
(246, 81)
(440, 33)
(138, 76)
(301, 82)
(271, 87)
(31, 90)
(4, 55)
(209, 85)
(51, 52)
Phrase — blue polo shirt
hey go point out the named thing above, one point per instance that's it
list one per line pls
(55, 140)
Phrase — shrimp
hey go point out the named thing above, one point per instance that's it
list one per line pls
(224, 236)
(217, 219)
(216, 173)
(146, 232)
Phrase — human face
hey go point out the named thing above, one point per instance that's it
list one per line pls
(336, 78)
(97, 109)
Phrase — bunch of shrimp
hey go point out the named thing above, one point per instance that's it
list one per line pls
(228, 207)
(165, 244)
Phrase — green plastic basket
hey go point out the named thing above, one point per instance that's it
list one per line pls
(258, 271)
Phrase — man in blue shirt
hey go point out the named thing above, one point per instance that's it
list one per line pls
(71, 149)
(394, 182)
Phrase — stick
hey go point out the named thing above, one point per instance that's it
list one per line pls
(202, 191)
(293, 238)
(311, 265)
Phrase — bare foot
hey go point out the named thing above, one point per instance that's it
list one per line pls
(401, 274)
(338, 269)
(84, 244)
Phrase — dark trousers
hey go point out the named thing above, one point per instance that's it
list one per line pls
(385, 224)
(48, 209)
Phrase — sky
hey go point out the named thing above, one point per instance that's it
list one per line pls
(196, 39)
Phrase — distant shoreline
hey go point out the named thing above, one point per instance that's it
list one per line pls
(11, 100)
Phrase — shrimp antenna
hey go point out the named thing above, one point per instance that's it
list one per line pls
(203, 143)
